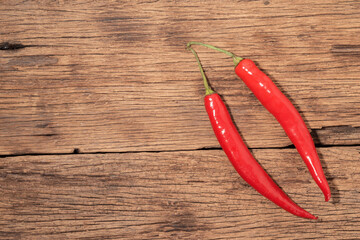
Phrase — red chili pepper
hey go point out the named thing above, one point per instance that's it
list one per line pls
(285, 113)
(240, 156)
(288, 117)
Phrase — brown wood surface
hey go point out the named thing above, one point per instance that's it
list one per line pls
(118, 73)
(173, 195)
(112, 80)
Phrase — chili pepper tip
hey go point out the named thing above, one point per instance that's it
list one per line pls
(327, 197)
(310, 216)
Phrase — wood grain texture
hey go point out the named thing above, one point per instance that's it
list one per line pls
(173, 195)
(114, 76)
(113, 79)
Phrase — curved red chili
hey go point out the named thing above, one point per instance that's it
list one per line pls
(282, 109)
(240, 156)
(288, 117)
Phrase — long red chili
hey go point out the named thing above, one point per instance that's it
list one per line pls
(285, 113)
(240, 156)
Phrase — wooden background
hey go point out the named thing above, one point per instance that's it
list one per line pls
(103, 132)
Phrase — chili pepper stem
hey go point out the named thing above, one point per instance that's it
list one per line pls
(206, 84)
(236, 59)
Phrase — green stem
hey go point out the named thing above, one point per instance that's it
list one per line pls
(235, 58)
(206, 85)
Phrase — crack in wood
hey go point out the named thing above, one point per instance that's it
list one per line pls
(76, 151)
(11, 46)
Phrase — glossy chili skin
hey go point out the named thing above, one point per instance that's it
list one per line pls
(241, 158)
(288, 117)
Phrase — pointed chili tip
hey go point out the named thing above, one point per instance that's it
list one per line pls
(327, 196)
(326, 191)
(309, 216)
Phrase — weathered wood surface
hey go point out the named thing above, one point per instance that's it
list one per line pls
(114, 76)
(173, 195)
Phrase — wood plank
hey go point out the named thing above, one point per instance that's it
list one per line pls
(113, 76)
(173, 195)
